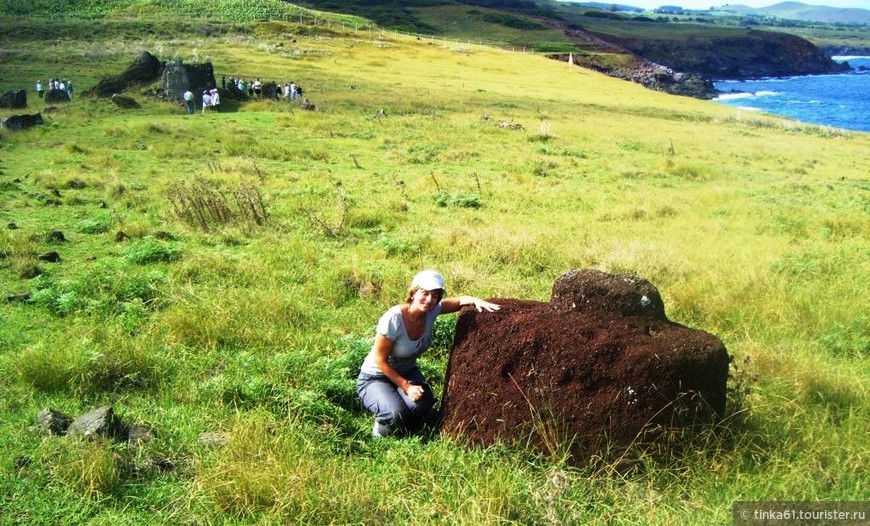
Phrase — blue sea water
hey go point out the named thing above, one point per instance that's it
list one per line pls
(841, 101)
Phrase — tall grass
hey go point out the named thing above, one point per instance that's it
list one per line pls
(756, 232)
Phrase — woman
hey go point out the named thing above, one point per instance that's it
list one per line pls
(389, 384)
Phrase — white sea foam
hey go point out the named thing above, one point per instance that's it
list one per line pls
(732, 96)
(745, 95)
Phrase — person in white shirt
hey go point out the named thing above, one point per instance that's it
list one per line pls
(390, 385)
(188, 101)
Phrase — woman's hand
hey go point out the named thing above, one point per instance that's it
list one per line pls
(482, 305)
(449, 305)
(414, 391)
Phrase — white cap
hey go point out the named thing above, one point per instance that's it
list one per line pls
(428, 280)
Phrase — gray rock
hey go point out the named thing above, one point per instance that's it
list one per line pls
(144, 69)
(51, 257)
(56, 95)
(139, 434)
(100, 422)
(213, 439)
(52, 421)
(22, 122)
(178, 77)
(14, 99)
(122, 101)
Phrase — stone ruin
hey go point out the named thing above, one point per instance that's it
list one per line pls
(14, 99)
(21, 122)
(54, 96)
(177, 77)
(592, 371)
(144, 69)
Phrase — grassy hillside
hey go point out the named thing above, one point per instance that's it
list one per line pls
(753, 228)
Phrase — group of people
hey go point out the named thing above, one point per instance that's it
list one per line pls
(211, 100)
(54, 84)
(288, 90)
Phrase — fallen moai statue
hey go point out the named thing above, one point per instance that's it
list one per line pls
(21, 122)
(14, 99)
(144, 69)
(593, 370)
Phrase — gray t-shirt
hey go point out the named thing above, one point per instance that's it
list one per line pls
(405, 351)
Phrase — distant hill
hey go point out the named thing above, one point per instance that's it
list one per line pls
(604, 6)
(804, 12)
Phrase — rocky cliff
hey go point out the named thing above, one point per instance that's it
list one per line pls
(754, 54)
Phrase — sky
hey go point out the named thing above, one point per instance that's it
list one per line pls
(706, 4)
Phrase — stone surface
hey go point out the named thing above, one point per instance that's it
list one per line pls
(52, 421)
(22, 122)
(177, 77)
(125, 102)
(144, 69)
(56, 95)
(593, 370)
(14, 99)
(99, 422)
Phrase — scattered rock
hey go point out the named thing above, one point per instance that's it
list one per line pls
(14, 99)
(12, 226)
(48, 110)
(121, 236)
(139, 434)
(29, 271)
(51, 257)
(164, 235)
(18, 297)
(55, 236)
(125, 102)
(307, 105)
(100, 422)
(75, 184)
(53, 422)
(212, 439)
(22, 122)
(507, 125)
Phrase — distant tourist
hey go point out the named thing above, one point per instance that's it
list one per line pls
(215, 100)
(206, 101)
(40, 92)
(69, 89)
(188, 101)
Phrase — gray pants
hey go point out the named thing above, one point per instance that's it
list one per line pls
(390, 405)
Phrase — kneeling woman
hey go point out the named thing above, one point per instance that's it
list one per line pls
(389, 384)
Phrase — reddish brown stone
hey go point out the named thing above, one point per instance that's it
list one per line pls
(597, 367)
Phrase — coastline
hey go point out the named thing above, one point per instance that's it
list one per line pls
(835, 99)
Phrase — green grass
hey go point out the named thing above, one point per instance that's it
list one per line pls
(753, 229)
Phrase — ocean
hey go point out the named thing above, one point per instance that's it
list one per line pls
(841, 101)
